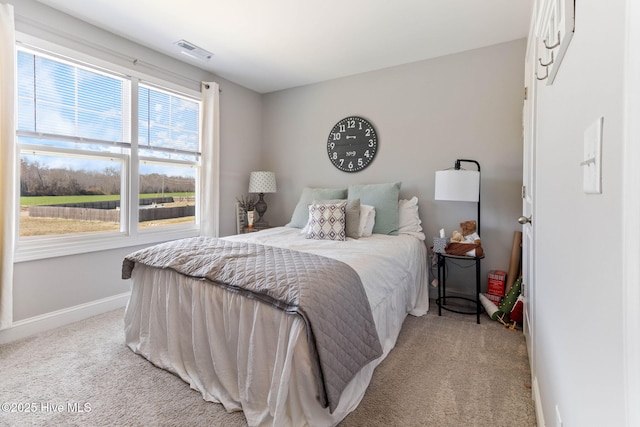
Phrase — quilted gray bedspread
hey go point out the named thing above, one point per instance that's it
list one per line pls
(326, 293)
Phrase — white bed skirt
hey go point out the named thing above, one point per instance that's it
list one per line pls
(245, 354)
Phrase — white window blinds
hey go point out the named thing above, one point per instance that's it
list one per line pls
(58, 98)
(167, 122)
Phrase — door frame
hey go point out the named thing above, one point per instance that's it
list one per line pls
(630, 215)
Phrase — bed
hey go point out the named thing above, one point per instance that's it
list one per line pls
(242, 352)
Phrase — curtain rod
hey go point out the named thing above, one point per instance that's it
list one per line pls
(153, 67)
(94, 46)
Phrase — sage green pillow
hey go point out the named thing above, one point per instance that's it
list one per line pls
(300, 215)
(384, 197)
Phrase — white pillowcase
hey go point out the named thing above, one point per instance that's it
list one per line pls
(367, 220)
(408, 215)
(408, 218)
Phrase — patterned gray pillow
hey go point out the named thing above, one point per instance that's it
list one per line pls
(352, 218)
(327, 221)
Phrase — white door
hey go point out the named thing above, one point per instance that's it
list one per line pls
(528, 195)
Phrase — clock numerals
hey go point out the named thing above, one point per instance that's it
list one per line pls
(352, 144)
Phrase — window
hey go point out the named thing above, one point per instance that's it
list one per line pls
(91, 172)
(168, 147)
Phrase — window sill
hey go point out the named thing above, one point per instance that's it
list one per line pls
(47, 247)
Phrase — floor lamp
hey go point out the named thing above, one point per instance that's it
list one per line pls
(459, 185)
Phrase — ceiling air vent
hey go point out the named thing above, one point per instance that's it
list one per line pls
(193, 51)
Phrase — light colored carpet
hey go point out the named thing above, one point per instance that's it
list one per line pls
(444, 371)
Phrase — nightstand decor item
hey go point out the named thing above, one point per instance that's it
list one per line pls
(261, 182)
(439, 244)
(244, 211)
(247, 203)
(352, 144)
(459, 185)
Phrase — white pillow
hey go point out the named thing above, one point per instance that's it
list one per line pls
(367, 220)
(409, 219)
(327, 221)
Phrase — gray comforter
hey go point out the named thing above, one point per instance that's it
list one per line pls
(326, 293)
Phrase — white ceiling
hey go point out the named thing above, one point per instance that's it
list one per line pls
(268, 45)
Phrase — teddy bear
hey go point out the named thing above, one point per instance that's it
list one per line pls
(457, 237)
(466, 242)
(469, 230)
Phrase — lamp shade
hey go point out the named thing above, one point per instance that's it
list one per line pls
(262, 182)
(458, 185)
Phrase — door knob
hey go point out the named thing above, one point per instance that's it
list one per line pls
(524, 220)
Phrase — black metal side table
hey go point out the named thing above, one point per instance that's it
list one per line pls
(442, 285)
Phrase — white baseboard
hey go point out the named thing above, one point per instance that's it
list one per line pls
(33, 325)
(538, 404)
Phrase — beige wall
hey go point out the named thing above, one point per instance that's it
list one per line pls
(427, 114)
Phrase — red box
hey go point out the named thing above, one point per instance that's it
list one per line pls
(496, 282)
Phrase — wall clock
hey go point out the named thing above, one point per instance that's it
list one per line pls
(352, 144)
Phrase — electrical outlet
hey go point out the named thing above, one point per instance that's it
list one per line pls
(558, 418)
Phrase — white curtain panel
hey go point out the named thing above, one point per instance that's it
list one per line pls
(7, 162)
(210, 170)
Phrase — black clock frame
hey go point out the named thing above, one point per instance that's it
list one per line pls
(352, 144)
